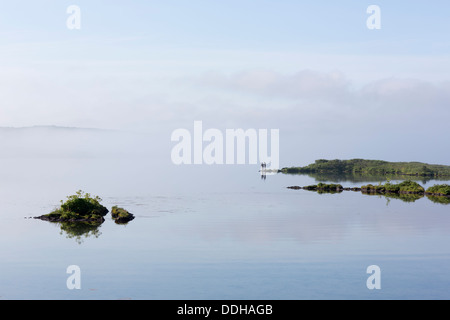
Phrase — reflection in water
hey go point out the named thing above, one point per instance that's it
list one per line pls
(405, 197)
(401, 196)
(441, 200)
(80, 229)
(365, 178)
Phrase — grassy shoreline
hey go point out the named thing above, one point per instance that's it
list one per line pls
(362, 166)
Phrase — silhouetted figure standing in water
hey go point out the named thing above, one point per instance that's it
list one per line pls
(263, 170)
(263, 166)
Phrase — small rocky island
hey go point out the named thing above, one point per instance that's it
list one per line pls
(82, 207)
(81, 216)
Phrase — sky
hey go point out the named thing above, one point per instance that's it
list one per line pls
(312, 69)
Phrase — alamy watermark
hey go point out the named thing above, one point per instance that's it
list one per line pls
(74, 280)
(236, 146)
(374, 20)
(374, 281)
(73, 22)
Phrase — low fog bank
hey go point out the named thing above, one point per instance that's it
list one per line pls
(67, 142)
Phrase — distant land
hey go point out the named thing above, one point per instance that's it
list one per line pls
(51, 141)
(371, 167)
(50, 127)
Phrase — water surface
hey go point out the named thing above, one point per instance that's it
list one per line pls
(214, 232)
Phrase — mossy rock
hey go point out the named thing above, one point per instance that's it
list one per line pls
(120, 215)
(405, 187)
(439, 190)
(78, 207)
(373, 189)
(410, 187)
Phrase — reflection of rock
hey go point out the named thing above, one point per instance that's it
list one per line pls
(405, 197)
(439, 199)
(80, 229)
(120, 215)
(76, 227)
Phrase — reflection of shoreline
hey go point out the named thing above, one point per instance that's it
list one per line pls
(353, 177)
(404, 196)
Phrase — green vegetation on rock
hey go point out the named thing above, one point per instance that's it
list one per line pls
(78, 207)
(401, 188)
(324, 188)
(410, 187)
(439, 189)
(121, 215)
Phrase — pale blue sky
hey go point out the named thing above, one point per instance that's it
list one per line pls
(297, 66)
(408, 27)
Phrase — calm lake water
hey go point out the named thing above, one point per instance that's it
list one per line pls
(214, 232)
